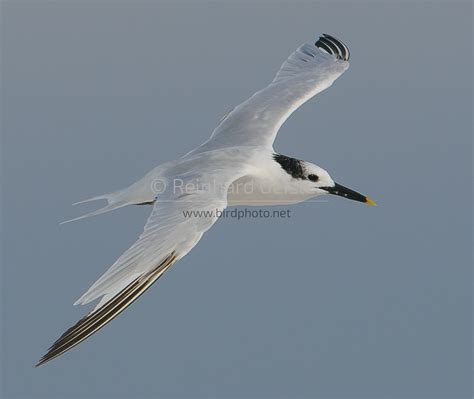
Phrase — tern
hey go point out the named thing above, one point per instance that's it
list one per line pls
(239, 154)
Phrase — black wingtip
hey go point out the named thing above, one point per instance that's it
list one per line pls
(333, 46)
(98, 318)
(41, 362)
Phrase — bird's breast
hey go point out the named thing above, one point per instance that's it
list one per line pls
(263, 191)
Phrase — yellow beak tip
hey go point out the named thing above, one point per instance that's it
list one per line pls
(368, 201)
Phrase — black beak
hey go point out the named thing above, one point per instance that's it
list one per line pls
(348, 193)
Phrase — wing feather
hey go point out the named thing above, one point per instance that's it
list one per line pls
(95, 320)
(311, 69)
(169, 234)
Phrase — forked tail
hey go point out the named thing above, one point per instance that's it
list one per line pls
(114, 200)
(143, 191)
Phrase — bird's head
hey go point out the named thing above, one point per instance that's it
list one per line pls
(320, 182)
(310, 180)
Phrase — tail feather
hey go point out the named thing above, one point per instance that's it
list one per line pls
(114, 200)
(139, 193)
(96, 198)
(106, 208)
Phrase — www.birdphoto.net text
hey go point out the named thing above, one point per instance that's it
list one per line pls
(239, 213)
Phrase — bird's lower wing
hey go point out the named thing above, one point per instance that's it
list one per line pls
(175, 225)
(311, 69)
(95, 320)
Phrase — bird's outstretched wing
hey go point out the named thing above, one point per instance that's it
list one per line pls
(176, 224)
(311, 69)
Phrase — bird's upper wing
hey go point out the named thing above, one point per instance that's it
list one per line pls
(177, 222)
(311, 69)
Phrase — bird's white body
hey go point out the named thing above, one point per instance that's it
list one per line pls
(237, 165)
(265, 184)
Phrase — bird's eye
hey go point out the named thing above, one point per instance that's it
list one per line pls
(313, 177)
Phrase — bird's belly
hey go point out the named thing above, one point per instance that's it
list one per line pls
(254, 191)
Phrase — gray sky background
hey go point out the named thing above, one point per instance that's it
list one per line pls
(342, 300)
